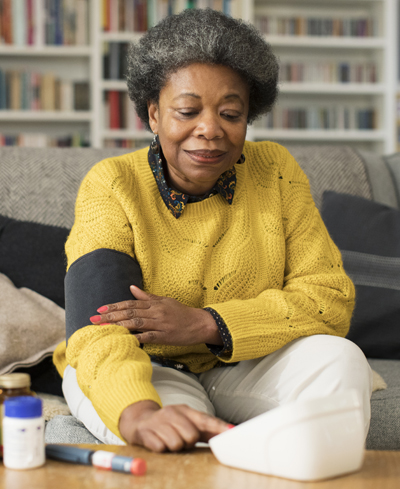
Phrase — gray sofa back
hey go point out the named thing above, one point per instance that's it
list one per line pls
(40, 184)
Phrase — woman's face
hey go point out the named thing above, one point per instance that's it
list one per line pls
(201, 120)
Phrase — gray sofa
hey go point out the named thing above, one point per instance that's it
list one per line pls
(40, 185)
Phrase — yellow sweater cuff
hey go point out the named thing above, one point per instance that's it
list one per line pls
(112, 370)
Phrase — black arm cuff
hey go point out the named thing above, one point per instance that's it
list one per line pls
(94, 280)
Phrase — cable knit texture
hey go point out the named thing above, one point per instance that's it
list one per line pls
(265, 263)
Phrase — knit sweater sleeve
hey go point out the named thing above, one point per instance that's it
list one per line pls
(317, 296)
(112, 370)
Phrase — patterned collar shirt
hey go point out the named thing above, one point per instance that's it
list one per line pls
(176, 201)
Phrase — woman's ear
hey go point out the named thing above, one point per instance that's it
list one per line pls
(152, 108)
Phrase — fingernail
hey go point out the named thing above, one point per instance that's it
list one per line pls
(230, 426)
(102, 309)
(95, 319)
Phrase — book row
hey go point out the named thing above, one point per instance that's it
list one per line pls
(42, 140)
(334, 117)
(139, 15)
(304, 26)
(115, 68)
(35, 91)
(119, 112)
(115, 60)
(328, 72)
(126, 143)
(39, 22)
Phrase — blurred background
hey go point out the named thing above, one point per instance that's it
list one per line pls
(62, 67)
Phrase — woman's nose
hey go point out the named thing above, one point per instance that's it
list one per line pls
(209, 126)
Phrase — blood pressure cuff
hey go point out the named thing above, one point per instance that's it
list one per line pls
(98, 278)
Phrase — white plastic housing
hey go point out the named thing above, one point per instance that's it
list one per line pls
(303, 440)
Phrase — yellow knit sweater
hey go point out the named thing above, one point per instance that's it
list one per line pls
(265, 263)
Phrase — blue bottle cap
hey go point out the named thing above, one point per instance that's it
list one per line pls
(23, 407)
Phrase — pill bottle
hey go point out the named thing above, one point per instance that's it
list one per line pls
(12, 385)
(23, 433)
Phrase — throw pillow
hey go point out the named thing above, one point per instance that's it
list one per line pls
(32, 256)
(31, 326)
(368, 235)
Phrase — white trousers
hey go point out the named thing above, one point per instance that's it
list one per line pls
(306, 368)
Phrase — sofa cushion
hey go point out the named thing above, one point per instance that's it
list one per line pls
(337, 168)
(32, 256)
(31, 326)
(368, 235)
(384, 433)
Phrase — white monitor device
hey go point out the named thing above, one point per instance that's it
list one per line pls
(304, 440)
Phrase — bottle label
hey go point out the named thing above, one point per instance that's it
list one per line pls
(23, 443)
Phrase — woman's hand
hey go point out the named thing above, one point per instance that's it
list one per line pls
(172, 428)
(161, 320)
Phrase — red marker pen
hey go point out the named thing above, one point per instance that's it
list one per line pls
(110, 461)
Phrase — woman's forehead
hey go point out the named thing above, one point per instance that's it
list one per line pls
(200, 80)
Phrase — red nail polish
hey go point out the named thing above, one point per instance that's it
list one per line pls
(102, 309)
(230, 426)
(95, 319)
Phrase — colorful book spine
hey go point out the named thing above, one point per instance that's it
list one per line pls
(7, 22)
(114, 104)
(58, 23)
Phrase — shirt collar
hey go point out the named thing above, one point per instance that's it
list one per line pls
(175, 200)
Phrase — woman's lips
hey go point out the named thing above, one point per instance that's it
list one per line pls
(206, 156)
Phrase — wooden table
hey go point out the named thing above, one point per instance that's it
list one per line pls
(197, 469)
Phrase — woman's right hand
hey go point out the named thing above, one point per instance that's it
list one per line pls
(172, 428)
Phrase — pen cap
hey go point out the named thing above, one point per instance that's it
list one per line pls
(138, 466)
(23, 407)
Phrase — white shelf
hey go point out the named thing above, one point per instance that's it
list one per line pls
(72, 51)
(45, 115)
(126, 134)
(121, 36)
(322, 135)
(119, 85)
(326, 42)
(333, 88)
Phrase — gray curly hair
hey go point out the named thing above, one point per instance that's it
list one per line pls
(201, 36)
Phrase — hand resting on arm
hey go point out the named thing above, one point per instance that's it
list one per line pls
(161, 320)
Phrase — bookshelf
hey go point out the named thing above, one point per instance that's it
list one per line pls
(41, 65)
(339, 64)
(314, 42)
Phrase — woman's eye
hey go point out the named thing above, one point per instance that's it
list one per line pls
(187, 113)
(231, 117)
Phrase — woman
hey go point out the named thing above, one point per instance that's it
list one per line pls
(219, 293)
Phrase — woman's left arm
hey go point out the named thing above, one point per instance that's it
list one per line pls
(317, 296)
